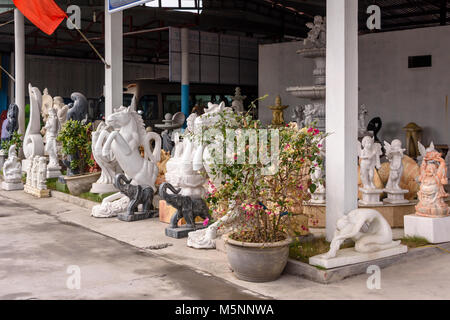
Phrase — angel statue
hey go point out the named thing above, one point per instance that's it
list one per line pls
(423, 151)
(394, 153)
(369, 154)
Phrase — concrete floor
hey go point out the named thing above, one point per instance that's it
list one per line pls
(40, 238)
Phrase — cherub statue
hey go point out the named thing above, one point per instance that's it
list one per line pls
(369, 157)
(394, 153)
(433, 177)
(367, 227)
(317, 35)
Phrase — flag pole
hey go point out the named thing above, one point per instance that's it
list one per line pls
(90, 44)
(9, 75)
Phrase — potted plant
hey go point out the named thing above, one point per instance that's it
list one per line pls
(76, 150)
(258, 246)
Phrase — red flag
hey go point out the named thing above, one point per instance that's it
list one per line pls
(44, 14)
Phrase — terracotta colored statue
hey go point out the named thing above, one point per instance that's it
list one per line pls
(433, 177)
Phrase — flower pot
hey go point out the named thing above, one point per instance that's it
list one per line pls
(257, 262)
(81, 183)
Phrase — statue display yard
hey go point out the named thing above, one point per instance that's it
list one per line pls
(12, 171)
(123, 144)
(369, 154)
(36, 183)
(432, 218)
(372, 236)
(33, 144)
(187, 207)
(394, 153)
(138, 195)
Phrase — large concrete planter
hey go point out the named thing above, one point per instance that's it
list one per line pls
(257, 262)
(81, 183)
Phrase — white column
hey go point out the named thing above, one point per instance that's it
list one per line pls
(19, 67)
(113, 90)
(341, 110)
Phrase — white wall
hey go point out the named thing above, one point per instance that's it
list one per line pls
(387, 87)
(281, 67)
(400, 95)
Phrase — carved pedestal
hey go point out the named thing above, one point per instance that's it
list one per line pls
(435, 230)
(371, 197)
(395, 196)
(10, 186)
(39, 193)
(53, 172)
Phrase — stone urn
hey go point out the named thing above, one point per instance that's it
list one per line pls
(257, 262)
(78, 184)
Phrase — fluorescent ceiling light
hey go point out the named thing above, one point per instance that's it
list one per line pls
(174, 4)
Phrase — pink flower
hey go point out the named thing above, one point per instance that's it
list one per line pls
(205, 223)
(319, 146)
(310, 130)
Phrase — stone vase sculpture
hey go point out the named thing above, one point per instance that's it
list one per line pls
(315, 48)
(33, 144)
(52, 128)
(123, 143)
(369, 154)
(108, 164)
(12, 171)
(394, 153)
(372, 236)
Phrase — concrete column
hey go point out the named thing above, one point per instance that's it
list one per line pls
(341, 110)
(113, 89)
(185, 71)
(19, 67)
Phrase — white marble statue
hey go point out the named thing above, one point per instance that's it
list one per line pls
(123, 143)
(33, 144)
(362, 120)
(238, 101)
(394, 153)
(12, 171)
(317, 35)
(41, 182)
(108, 164)
(47, 104)
(206, 238)
(52, 128)
(297, 115)
(308, 115)
(369, 154)
(61, 109)
(367, 228)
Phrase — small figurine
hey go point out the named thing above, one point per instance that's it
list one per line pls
(433, 177)
(238, 101)
(394, 153)
(297, 116)
(317, 35)
(362, 115)
(52, 127)
(308, 113)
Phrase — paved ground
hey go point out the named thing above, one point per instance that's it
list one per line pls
(40, 238)
(36, 251)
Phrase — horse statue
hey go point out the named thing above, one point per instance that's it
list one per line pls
(33, 144)
(123, 145)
